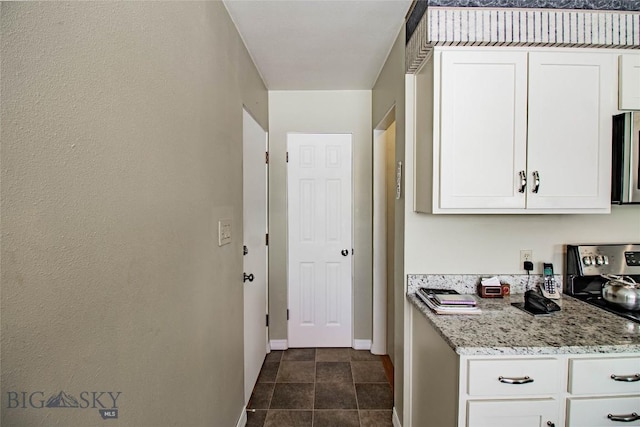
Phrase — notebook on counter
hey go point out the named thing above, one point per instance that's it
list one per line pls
(447, 301)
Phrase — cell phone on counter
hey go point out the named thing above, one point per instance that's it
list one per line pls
(549, 288)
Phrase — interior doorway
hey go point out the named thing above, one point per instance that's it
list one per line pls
(384, 197)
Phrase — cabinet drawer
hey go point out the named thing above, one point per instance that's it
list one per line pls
(513, 377)
(594, 376)
(511, 413)
(594, 412)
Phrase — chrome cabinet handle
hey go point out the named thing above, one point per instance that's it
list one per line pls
(523, 181)
(516, 380)
(536, 182)
(626, 378)
(624, 418)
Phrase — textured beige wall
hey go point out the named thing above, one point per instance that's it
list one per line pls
(321, 112)
(121, 148)
(388, 91)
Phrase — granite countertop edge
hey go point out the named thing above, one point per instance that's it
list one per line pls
(462, 348)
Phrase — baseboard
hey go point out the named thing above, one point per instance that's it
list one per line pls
(362, 344)
(279, 344)
(395, 419)
(242, 422)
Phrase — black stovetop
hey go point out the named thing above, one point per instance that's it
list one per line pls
(598, 301)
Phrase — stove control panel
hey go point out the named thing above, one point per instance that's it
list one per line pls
(594, 260)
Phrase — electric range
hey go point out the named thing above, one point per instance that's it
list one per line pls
(587, 263)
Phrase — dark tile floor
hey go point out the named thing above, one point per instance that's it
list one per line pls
(324, 387)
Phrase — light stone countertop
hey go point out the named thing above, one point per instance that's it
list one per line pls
(502, 329)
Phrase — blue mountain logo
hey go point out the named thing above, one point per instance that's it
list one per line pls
(62, 400)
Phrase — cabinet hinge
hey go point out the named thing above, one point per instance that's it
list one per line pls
(266, 239)
(266, 157)
(287, 157)
(267, 320)
(287, 314)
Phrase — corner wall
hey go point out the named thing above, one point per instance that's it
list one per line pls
(321, 112)
(121, 148)
(389, 90)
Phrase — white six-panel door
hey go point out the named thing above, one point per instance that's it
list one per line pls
(319, 208)
(255, 261)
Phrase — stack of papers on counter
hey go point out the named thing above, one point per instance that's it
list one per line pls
(448, 302)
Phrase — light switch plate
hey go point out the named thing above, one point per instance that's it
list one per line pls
(224, 232)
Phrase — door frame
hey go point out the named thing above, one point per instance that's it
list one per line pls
(266, 227)
(352, 284)
(380, 282)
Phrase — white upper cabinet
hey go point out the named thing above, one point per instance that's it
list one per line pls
(522, 131)
(483, 128)
(629, 85)
(569, 143)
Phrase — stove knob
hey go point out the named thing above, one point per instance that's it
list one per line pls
(606, 259)
(599, 260)
(587, 260)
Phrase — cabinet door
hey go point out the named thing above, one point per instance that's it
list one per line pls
(571, 101)
(482, 129)
(512, 413)
(629, 85)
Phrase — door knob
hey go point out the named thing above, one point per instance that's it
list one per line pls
(248, 277)
(344, 252)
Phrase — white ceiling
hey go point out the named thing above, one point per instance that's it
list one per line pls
(318, 44)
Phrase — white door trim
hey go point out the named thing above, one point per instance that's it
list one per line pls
(255, 297)
(380, 283)
(379, 341)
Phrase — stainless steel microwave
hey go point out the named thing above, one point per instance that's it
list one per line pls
(625, 171)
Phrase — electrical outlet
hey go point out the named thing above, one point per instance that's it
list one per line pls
(525, 255)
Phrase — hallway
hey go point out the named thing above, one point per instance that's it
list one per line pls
(324, 387)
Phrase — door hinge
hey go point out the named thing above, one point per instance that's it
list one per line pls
(266, 157)
(351, 251)
(287, 314)
(287, 157)
(266, 239)
(267, 320)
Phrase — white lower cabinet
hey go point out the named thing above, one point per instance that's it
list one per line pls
(543, 390)
(512, 412)
(603, 391)
(603, 411)
(517, 391)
